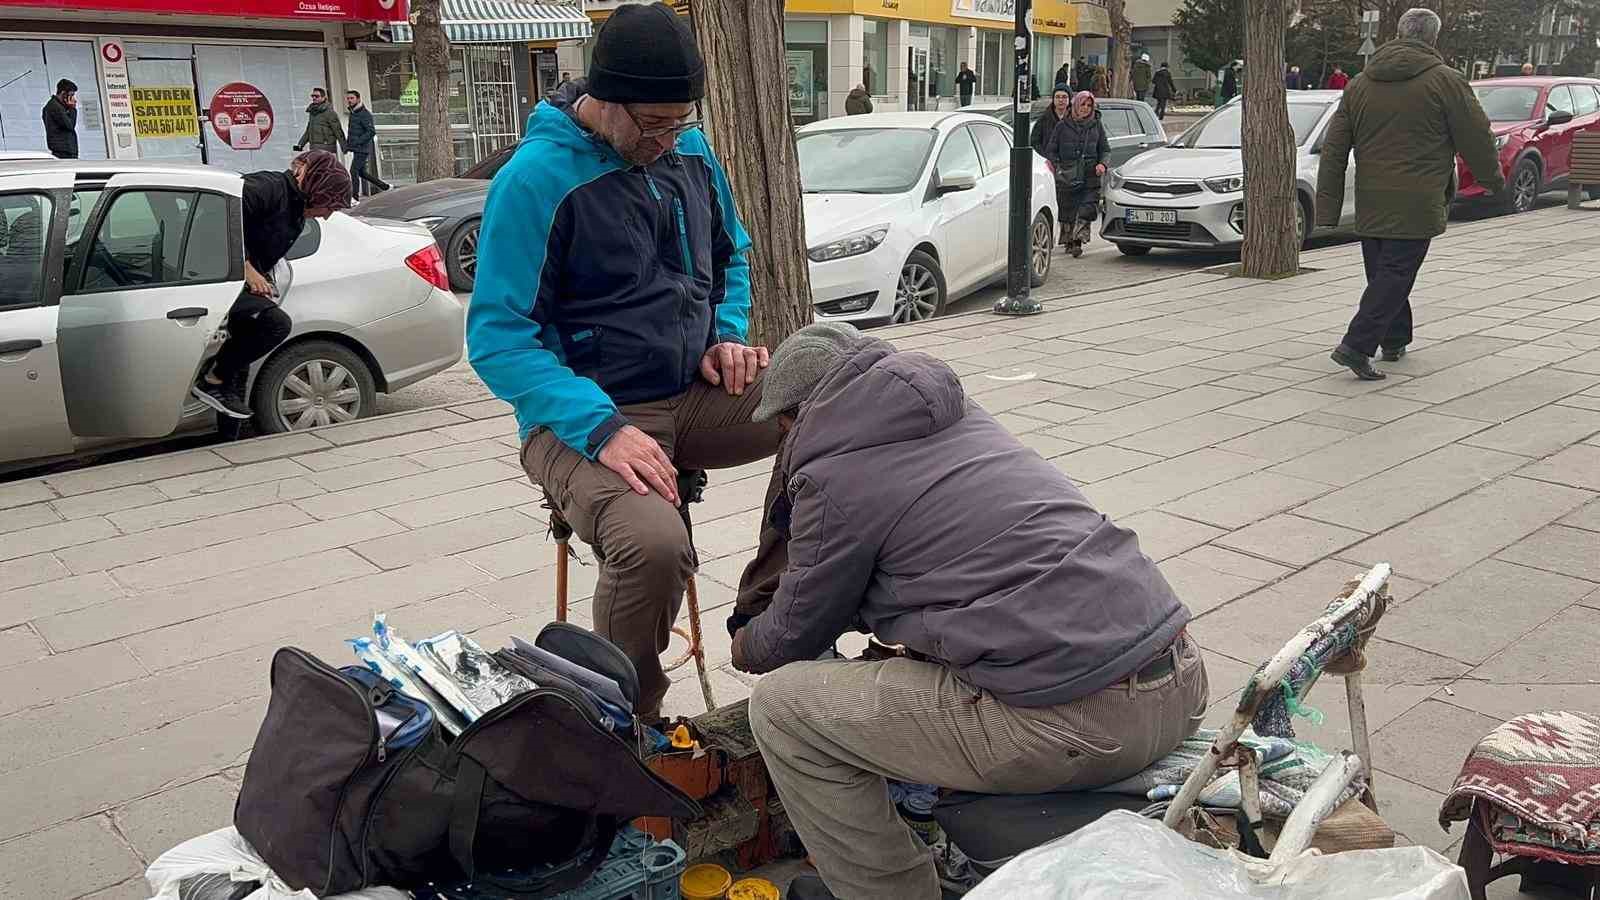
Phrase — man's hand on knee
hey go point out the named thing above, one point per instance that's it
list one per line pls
(641, 462)
(733, 365)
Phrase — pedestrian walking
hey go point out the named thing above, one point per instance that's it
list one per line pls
(1406, 117)
(1230, 83)
(612, 311)
(1163, 89)
(275, 208)
(363, 148)
(966, 82)
(1068, 72)
(1078, 149)
(1338, 80)
(1082, 76)
(1142, 76)
(858, 102)
(61, 121)
(323, 131)
(1100, 84)
(1291, 80)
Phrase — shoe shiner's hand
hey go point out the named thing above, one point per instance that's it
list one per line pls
(258, 283)
(734, 366)
(641, 462)
(739, 659)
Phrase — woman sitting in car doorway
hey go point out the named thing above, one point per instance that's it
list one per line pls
(276, 206)
(1078, 149)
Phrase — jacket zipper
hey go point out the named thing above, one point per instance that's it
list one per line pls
(683, 237)
(323, 668)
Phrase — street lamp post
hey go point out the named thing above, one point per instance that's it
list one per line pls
(1017, 301)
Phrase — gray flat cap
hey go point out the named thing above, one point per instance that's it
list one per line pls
(801, 362)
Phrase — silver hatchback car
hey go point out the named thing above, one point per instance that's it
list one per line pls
(116, 278)
(1190, 193)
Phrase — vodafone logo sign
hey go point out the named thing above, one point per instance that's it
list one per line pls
(111, 51)
(386, 4)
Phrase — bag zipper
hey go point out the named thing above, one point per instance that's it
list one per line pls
(383, 787)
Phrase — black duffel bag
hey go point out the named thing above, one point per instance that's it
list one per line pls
(526, 800)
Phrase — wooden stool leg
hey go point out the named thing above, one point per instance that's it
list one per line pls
(697, 644)
(563, 555)
(1476, 858)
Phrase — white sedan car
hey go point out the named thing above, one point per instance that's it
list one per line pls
(1190, 194)
(907, 211)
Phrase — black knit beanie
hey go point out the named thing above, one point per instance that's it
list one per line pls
(646, 54)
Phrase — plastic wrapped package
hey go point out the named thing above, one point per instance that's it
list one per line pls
(1123, 856)
(223, 866)
(372, 657)
(485, 682)
(402, 654)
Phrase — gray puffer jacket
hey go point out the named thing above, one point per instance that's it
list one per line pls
(913, 511)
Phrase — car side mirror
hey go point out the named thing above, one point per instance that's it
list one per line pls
(1560, 117)
(956, 182)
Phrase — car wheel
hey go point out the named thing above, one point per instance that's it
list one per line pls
(1302, 222)
(1522, 190)
(1043, 243)
(461, 256)
(312, 383)
(920, 295)
(1133, 249)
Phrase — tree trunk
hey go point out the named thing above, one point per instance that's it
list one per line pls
(436, 154)
(747, 117)
(1122, 56)
(1271, 246)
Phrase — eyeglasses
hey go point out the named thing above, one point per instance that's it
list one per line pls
(675, 129)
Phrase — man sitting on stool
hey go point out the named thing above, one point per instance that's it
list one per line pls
(1043, 650)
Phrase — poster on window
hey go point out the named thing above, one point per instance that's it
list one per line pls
(165, 112)
(241, 115)
(802, 86)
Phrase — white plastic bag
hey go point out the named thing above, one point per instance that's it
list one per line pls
(224, 853)
(1123, 856)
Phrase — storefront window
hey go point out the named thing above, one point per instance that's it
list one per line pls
(806, 53)
(29, 71)
(875, 56)
(996, 63)
(943, 63)
(1044, 64)
(397, 157)
(392, 75)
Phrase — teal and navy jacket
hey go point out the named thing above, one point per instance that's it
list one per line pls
(601, 284)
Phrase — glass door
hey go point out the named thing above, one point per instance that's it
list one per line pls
(917, 84)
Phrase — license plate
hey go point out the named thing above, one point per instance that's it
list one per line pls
(1152, 217)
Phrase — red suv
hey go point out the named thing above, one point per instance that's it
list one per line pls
(1534, 119)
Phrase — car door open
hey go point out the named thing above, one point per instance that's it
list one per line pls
(155, 272)
(34, 423)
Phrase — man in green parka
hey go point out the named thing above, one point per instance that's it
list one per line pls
(1406, 116)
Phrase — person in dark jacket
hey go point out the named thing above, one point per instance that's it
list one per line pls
(858, 102)
(363, 147)
(1230, 84)
(1407, 116)
(1078, 151)
(1036, 647)
(276, 206)
(1060, 108)
(1082, 75)
(323, 131)
(1291, 79)
(1143, 75)
(61, 121)
(1163, 90)
(612, 311)
(966, 83)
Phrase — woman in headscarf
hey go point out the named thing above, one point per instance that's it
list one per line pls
(1078, 150)
(276, 206)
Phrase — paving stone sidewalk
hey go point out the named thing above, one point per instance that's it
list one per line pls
(140, 602)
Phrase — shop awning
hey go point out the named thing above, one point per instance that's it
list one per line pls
(506, 21)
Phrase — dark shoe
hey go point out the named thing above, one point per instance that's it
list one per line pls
(1394, 354)
(1075, 248)
(809, 887)
(1066, 235)
(1357, 363)
(222, 398)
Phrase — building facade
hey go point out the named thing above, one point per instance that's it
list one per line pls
(906, 53)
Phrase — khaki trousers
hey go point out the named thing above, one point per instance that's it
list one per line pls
(646, 558)
(830, 732)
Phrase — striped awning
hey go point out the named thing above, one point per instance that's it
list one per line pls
(506, 21)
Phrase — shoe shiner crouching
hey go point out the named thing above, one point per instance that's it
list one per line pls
(1043, 650)
(276, 206)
